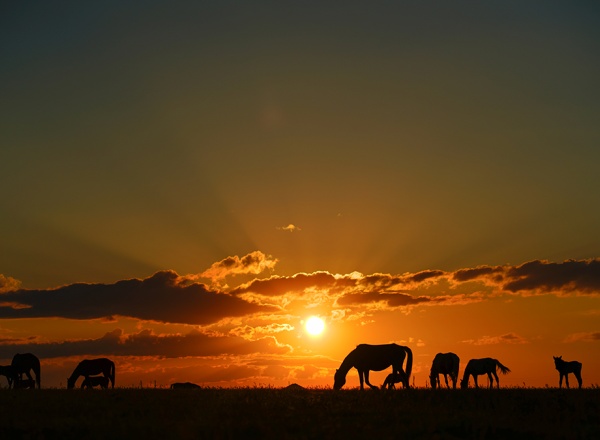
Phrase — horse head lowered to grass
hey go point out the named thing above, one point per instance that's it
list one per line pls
(93, 367)
(477, 367)
(366, 358)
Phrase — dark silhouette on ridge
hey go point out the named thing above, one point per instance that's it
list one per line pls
(392, 379)
(367, 357)
(24, 363)
(566, 367)
(446, 364)
(94, 381)
(9, 372)
(184, 386)
(24, 383)
(477, 367)
(93, 367)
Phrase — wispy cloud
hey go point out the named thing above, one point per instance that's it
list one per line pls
(508, 338)
(583, 337)
(289, 228)
(253, 263)
(147, 343)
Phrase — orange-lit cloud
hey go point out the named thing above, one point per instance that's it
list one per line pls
(253, 263)
(8, 283)
(289, 228)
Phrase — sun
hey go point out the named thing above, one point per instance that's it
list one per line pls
(314, 326)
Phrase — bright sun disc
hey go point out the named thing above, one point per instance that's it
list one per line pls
(314, 325)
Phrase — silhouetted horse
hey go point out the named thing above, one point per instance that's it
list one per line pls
(446, 364)
(477, 367)
(24, 383)
(25, 363)
(367, 357)
(391, 380)
(92, 367)
(566, 367)
(9, 372)
(184, 385)
(94, 381)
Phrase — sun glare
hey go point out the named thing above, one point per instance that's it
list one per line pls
(314, 326)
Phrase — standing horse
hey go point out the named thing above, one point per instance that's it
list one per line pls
(566, 367)
(477, 367)
(446, 364)
(9, 372)
(367, 357)
(25, 363)
(91, 367)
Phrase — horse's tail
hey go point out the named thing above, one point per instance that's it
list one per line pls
(409, 362)
(503, 369)
(112, 374)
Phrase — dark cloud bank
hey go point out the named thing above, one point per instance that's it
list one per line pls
(164, 297)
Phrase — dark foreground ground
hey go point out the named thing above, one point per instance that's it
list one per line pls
(299, 414)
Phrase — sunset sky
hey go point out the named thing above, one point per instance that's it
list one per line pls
(183, 184)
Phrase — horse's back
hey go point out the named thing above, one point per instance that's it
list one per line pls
(377, 357)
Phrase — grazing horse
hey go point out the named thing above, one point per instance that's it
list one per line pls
(367, 357)
(184, 385)
(24, 383)
(391, 380)
(25, 363)
(446, 364)
(91, 367)
(566, 367)
(93, 381)
(9, 372)
(477, 367)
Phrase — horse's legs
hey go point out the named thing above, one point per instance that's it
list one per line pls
(360, 377)
(578, 377)
(560, 379)
(497, 380)
(475, 380)
(567, 379)
(446, 380)
(367, 381)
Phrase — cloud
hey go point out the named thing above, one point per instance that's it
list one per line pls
(163, 297)
(8, 284)
(534, 277)
(253, 263)
(583, 337)
(147, 343)
(508, 338)
(289, 228)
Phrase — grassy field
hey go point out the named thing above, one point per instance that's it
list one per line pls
(300, 414)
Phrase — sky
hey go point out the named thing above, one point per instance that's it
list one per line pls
(185, 183)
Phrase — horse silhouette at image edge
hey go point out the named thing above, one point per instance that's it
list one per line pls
(366, 358)
(95, 381)
(566, 367)
(93, 367)
(477, 367)
(25, 363)
(9, 372)
(184, 386)
(446, 364)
